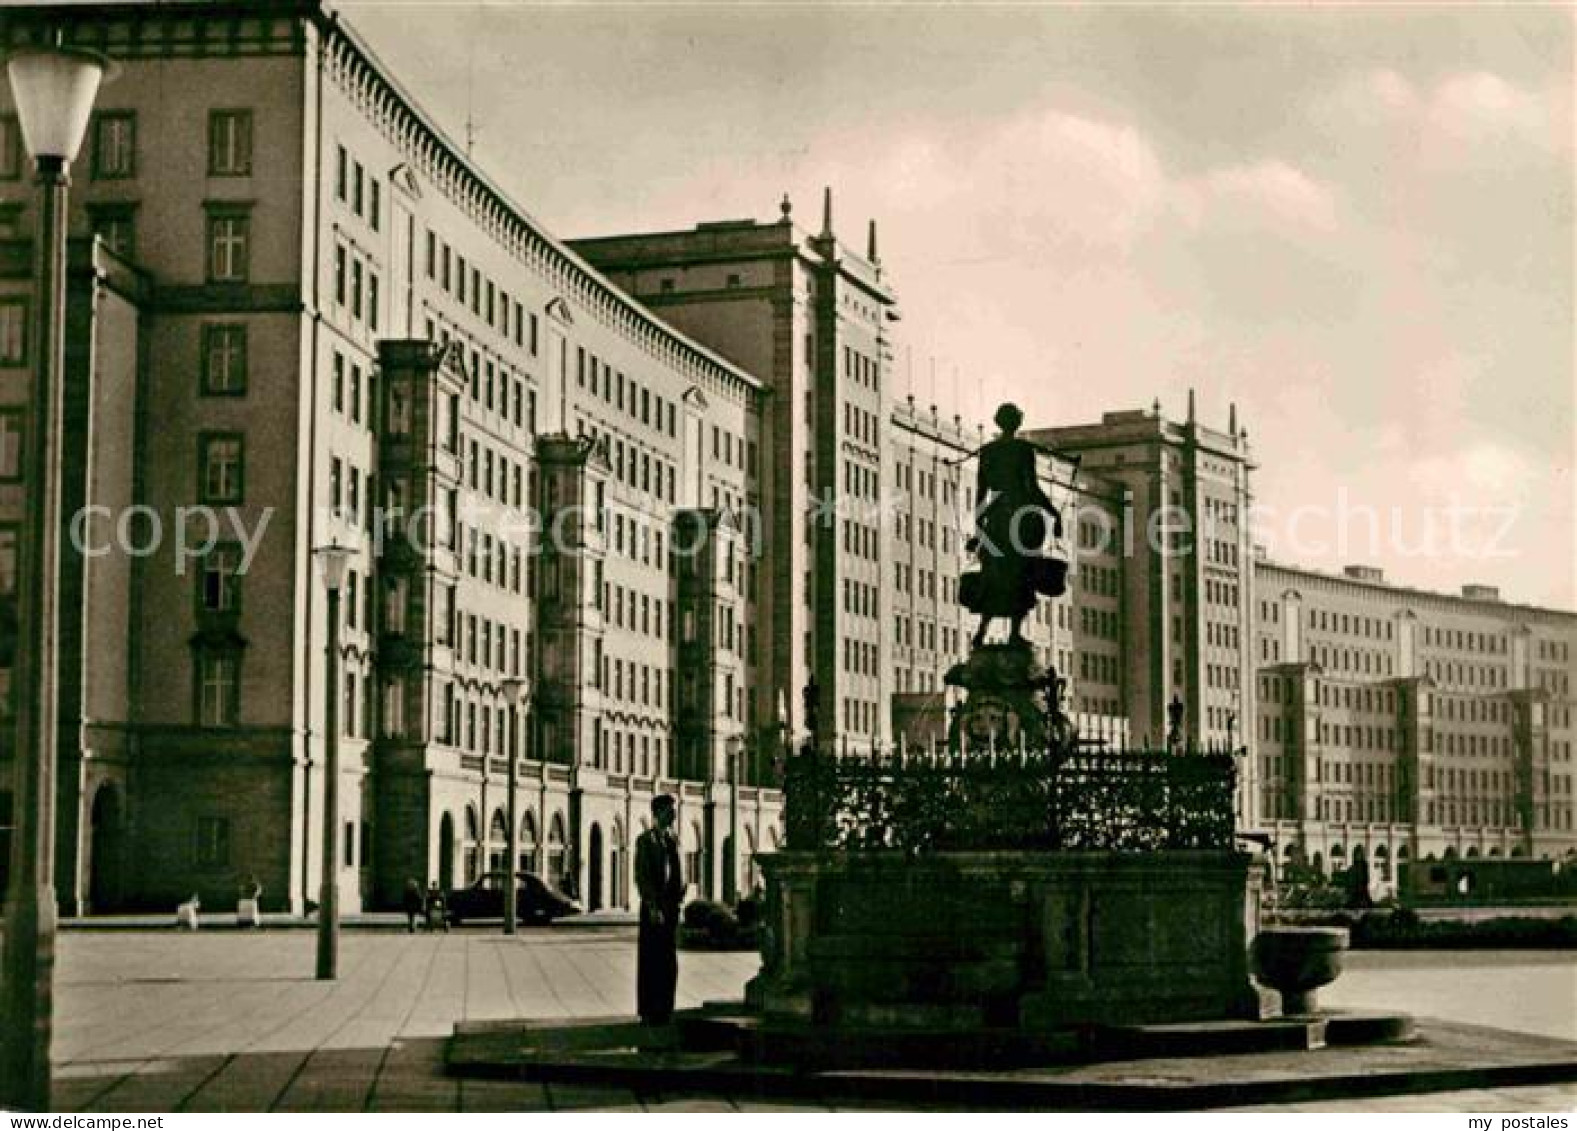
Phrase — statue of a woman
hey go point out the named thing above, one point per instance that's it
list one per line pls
(1013, 518)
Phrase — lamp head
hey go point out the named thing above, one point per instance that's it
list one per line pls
(333, 561)
(54, 88)
(516, 691)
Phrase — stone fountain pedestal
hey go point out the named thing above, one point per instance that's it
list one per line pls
(1030, 943)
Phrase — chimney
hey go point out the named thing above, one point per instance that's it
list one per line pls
(826, 213)
(870, 245)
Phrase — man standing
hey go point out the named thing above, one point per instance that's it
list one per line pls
(661, 887)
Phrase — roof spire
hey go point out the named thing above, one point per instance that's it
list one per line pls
(787, 208)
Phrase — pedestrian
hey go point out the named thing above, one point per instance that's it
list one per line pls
(414, 903)
(249, 902)
(437, 909)
(661, 887)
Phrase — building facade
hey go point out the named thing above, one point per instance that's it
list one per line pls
(344, 333)
(663, 477)
(1398, 725)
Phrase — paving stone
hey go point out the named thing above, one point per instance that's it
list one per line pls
(249, 1082)
(332, 1080)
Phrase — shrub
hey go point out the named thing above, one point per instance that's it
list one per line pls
(713, 918)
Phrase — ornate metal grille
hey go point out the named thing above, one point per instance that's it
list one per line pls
(1048, 800)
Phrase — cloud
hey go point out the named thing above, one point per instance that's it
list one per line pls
(1272, 189)
(1464, 118)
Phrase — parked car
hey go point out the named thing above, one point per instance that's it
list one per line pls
(535, 901)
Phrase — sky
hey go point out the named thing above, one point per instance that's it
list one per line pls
(1352, 221)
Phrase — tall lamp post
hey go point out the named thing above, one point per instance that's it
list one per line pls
(736, 746)
(517, 693)
(333, 560)
(54, 88)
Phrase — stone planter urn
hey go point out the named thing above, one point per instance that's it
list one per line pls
(1296, 961)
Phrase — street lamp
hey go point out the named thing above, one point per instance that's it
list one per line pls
(333, 561)
(53, 88)
(517, 694)
(736, 745)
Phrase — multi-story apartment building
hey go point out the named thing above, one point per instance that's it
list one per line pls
(662, 476)
(1181, 600)
(344, 332)
(1399, 725)
(813, 319)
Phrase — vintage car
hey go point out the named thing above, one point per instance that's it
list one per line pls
(535, 901)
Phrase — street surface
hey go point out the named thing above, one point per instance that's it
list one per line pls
(159, 1020)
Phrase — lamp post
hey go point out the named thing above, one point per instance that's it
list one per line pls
(517, 696)
(736, 744)
(54, 90)
(333, 560)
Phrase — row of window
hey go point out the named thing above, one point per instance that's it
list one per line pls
(859, 716)
(356, 285)
(859, 657)
(640, 404)
(472, 290)
(861, 425)
(1102, 623)
(358, 190)
(925, 482)
(859, 598)
(861, 482)
(860, 369)
(113, 146)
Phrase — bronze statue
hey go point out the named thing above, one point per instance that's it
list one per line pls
(1013, 518)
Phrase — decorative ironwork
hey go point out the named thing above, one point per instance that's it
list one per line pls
(1061, 799)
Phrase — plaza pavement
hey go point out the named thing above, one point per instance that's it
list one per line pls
(159, 1020)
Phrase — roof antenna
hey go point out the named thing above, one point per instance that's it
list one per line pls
(470, 87)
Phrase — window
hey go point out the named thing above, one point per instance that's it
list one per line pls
(115, 224)
(212, 847)
(10, 148)
(218, 687)
(10, 444)
(114, 145)
(8, 621)
(219, 583)
(230, 143)
(222, 468)
(375, 203)
(13, 332)
(224, 359)
(229, 240)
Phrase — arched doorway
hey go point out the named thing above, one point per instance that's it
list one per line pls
(528, 843)
(594, 869)
(106, 852)
(556, 853)
(730, 873)
(498, 842)
(473, 844)
(618, 868)
(693, 863)
(446, 851)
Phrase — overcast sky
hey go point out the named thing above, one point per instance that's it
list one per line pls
(1355, 222)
